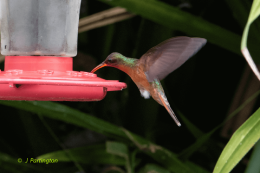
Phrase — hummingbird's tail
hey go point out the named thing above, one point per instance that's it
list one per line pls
(168, 108)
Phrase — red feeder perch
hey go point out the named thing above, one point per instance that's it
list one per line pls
(49, 76)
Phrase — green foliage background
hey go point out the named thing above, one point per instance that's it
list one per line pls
(126, 133)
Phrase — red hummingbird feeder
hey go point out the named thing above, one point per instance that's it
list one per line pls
(38, 43)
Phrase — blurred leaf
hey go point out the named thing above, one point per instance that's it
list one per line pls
(162, 155)
(117, 148)
(174, 18)
(253, 165)
(152, 168)
(240, 10)
(254, 13)
(239, 144)
(89, 154)
(121, 150)
(69, 115)
(64, 113)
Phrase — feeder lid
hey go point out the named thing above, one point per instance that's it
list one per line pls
(54, 80)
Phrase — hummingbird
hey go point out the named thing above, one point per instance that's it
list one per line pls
(155, 65)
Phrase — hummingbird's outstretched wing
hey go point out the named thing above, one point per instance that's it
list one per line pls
(167, 56)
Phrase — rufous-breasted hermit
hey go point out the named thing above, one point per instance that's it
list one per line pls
(155, 65)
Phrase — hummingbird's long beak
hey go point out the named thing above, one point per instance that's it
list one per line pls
(98, 67)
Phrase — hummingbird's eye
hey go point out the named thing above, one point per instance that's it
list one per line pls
(110, 60)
